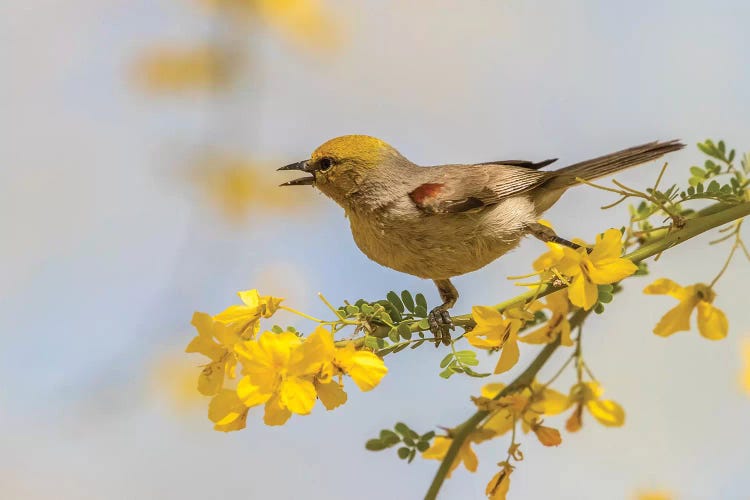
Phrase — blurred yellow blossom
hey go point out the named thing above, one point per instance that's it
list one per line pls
(602, 266)
(227, 411)
(304, 22)
(654, 495)
(237, 186)
(494, 331)
(174, 69)
(216, 341)
(712, 323)
(548, 436)
(557, 326)
(497, 488)
(745, 375)
(588, 394)
(173, 379)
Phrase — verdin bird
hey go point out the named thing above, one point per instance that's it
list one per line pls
(443, 221)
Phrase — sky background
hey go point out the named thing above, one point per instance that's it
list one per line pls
(108, 247)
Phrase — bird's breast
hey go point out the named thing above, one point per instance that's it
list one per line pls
(439, 246)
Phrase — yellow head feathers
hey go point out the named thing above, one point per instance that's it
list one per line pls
(361, 149)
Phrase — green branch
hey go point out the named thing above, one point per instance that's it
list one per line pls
(705, 220)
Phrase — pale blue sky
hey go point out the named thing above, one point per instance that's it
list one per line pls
(107, 251)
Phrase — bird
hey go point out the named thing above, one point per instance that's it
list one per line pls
(439, 222)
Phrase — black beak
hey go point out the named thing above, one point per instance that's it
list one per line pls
(302, 181)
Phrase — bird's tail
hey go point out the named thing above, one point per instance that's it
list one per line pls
(611, 163)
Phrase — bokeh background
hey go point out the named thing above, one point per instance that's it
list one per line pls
(137, 184)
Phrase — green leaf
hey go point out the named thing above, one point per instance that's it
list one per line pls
(699, 189)
(352, 310)
(408, 300)
(371, 342)
(713, 187)
(403, 452)
(722, 147)
(389, 438)
(599, 308)
(424, 324)
(400, 347)
(446, 374)
(467, 357)
(474, 374)
(375, 445)
(277, 329)
(402, 428)
(423, 446)
(366, 309)
(446, 360)
(404, 331)
(421, 301)
(417, 344)
(428, 435)
(412, 454)
(409, 441)
(605, 297)
(698, 172)
(393, 299)
(393, 335)
(421, 312)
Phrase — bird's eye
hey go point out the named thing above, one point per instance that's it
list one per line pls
(325, 164)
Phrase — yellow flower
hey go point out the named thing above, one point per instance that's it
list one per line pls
(493, 331)
(221, 353)
(587, 394)
(288, 375)
(497, 488)
(466, 455)
(602, 266)
(526, 406)
(556, 326)
(271, 377)
(246, 316)
(175, 69)
(712, 323)
(745, 376)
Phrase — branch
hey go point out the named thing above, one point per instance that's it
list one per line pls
(711, 217)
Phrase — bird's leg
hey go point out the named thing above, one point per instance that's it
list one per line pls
(439, 318)
(547, 235)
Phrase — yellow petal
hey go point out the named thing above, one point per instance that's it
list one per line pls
(607, 412)
(548, 436)
(543, 335)
(225, 407)
(251, 298)
(608, 271)
(237, 314)
(677, 319)
(664, 286)
(364, 367)
(484, 315)
(211, 378)
(332, 395)
(275, 414)
(250, 394)
(712, 323)
(493, 389)
(499, 423)
(203, 343)
(582, 292)
(469, 458)
(508, 356)
(225, 334)
(235, 425)
(298, 395)
(438, 449)
(552, 402)
(607, 246)
(314, 354)
(497, 488)
(570, 264)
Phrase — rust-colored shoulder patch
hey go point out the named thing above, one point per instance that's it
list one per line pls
(426, 193)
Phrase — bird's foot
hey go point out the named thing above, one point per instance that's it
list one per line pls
(440, 325)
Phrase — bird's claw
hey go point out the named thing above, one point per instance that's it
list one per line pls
(440, 325)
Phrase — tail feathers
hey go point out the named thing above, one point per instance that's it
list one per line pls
(611, 163)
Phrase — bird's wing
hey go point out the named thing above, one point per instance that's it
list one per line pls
(455, 188)
(521, 163)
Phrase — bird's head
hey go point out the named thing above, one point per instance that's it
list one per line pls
(342, 166)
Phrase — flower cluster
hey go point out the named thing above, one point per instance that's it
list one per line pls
(282, 371)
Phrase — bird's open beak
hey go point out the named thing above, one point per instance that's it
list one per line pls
(302, 181)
